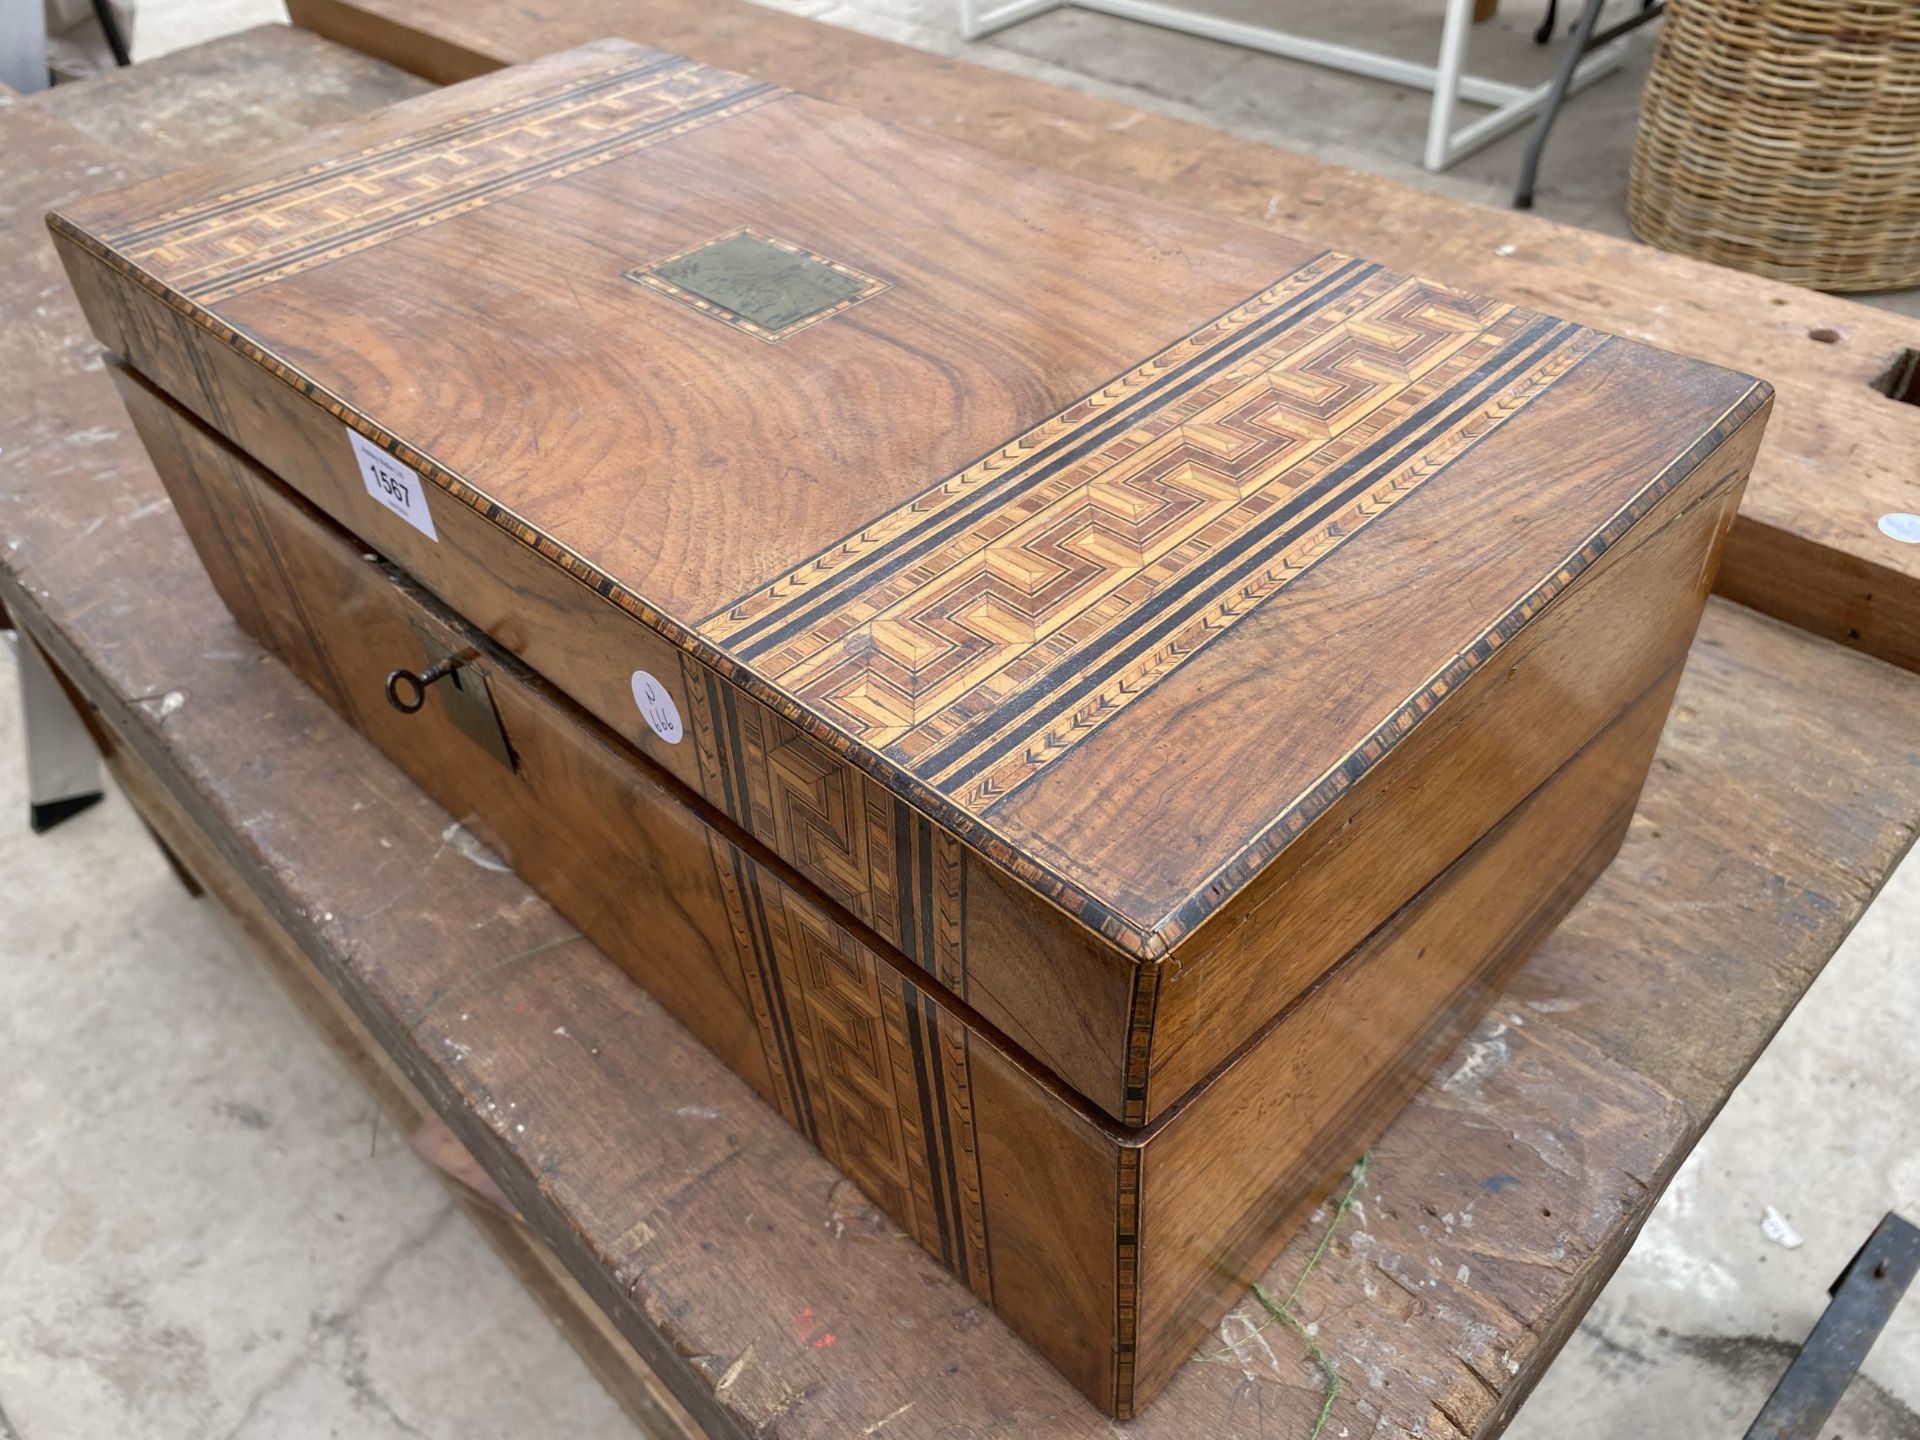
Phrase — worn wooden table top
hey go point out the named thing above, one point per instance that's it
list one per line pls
(760, 1284)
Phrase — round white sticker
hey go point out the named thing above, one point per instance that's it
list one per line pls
(657, 705)
(1901, 526)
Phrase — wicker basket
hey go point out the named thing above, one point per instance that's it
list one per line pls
(1783, 137)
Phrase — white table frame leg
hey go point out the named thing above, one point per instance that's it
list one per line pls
(1512, 105)
(63, 764)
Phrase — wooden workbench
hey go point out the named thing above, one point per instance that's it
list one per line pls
(757, 1282)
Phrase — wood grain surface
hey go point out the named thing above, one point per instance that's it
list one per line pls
(1784, 791)
(1068, 1002)
(1807, 546)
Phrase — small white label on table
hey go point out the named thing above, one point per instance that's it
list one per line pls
(1901, 526)
(657, 705)
(393, 483)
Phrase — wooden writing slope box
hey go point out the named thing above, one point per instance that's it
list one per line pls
(1073, 699)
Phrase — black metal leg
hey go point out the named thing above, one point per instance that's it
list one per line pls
(1576, 52)
(110, 27)
(1583, 43)
(1544, 35)
(1863, 1300)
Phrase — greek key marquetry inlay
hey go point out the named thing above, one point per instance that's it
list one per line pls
(863, 1062)
(979, 632)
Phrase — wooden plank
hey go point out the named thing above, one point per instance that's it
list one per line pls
(1785, 791)
(46, 161)
(192, 104)
(1839, 454)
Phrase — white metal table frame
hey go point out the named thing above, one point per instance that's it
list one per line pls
(1513, 105)
(63, 764)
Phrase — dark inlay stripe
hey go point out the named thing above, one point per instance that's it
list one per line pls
(731, 727)
(777, 993)
(939, 1068)
(917, 1043)
(1040, 701)
(929, 937)
(753, 640)
(903, 882)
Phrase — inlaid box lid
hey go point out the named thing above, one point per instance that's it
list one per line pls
(1118, 541)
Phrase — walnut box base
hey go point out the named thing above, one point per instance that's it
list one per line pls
(1111, 1248)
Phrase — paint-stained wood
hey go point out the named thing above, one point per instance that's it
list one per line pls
(1051, 575)
(181, 108)
(725, 1250)
(1807, 546)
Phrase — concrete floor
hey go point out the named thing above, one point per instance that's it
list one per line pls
(204, 1233)
(204, 1229)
